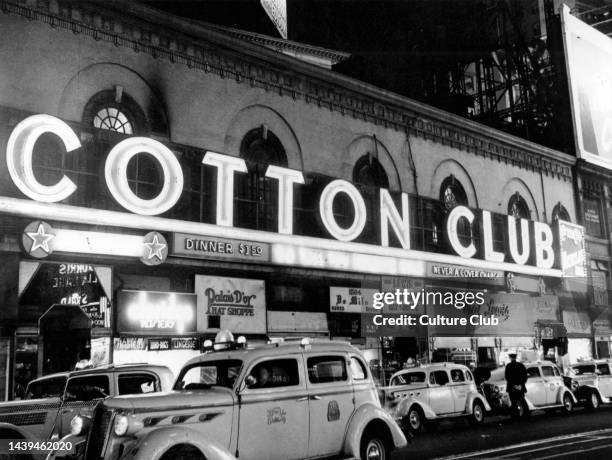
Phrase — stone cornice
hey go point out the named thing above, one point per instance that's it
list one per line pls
(180, 41)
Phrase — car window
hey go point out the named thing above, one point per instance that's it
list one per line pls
(203, 375)
(439, 377)
(409, 378)
(547, 371)
(603, 369)
(469, 377)
(87, 388)
(47, 388)
(556, 371)
(584, 369)
(325, 369)
(276, 373)
(457, 375)
(358, 369)
(131, 384)
(533, 372)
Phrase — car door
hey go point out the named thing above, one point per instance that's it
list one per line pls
(460, 387)
(363, 388)
(273, 418)
(536, 390)
(80, 397)
(440, 394)
(552, 383)
(605, 379)
(331, 402)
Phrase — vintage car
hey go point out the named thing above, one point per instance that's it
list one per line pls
(290, 400)
(421, 395)
(591, 382)
(545, 390)
(52, 401)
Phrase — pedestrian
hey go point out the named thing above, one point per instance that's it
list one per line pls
(516, 378)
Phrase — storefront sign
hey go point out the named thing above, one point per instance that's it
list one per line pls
(601, 326)
(237, 304)
(199, 247)
(395, 283)
(577, 322)
(534, 238)
(149, 312)
(129, 343)
(438, 270)
(159, 344)
(185, 343)
(350, 299)
(572, 250)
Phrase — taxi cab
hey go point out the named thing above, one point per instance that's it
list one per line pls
(429, 393)
(591, 382)
(545, 390)
(52, 401)
(291, 400)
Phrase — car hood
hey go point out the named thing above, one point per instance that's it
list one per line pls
(25, 404)
(172, 400)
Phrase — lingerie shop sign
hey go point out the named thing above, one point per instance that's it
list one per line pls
(528, 242)
(236, 304)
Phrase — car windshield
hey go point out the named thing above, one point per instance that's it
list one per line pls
(584, 369)
(203, 375)
(47, 388)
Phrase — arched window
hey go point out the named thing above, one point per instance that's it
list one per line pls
(257, 196)
(369, 172)
(560, 213)
(452, 193)
(517, 207)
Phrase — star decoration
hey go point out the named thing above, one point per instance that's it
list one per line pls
(40, 239)
(155, 248)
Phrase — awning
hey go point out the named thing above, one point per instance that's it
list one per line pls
(549, 329)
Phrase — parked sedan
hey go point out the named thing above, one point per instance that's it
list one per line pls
(545, 390)
(591, 382)
(434, 392)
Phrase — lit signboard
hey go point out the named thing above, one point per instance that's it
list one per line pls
(156, 313)
(589, 67)
(572, 250)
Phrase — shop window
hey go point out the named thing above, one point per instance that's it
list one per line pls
(256, 195)
(533, 372)
(593, 217)
(518, 208)
(276, 373)
(136, 384)
(457, 375)
(87, 388)
(326, 369)
(358, 369)
(560, 213)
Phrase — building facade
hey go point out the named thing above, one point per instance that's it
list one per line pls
(165, 179)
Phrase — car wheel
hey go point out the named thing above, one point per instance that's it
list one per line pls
(478, 414)
(413, 421)
(593, 401)
(374, 447)
(568, 404)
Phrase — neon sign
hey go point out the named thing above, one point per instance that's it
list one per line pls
(532, 245)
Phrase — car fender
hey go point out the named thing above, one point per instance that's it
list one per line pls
(360, 419)
(156, 443)
(531, 406)
(561, 394)
(469, 402)
(24, 434)
(584, 391)
(406, 403)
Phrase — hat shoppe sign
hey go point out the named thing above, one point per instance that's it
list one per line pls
(530, 246)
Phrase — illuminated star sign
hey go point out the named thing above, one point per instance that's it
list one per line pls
(40, 239)
(155, 248)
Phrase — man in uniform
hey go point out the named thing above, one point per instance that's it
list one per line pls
(516, 377)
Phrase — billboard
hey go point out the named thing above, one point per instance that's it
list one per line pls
(589, 67)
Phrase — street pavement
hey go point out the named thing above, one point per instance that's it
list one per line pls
(582, 434)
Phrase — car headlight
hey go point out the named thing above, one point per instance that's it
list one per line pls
(126, 425)
(79, 425)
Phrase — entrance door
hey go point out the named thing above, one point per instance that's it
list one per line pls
(331, 403)
(66, 337)
(273, 415)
